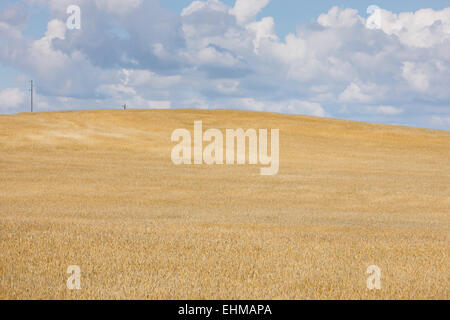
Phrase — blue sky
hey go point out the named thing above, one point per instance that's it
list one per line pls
(322, 58)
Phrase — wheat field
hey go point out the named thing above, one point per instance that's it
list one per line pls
(98, 189)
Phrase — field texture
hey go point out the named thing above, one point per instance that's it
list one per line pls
(98, 189)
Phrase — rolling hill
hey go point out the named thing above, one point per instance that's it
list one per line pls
(98, 189)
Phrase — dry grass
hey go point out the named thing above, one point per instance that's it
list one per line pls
(98, 189)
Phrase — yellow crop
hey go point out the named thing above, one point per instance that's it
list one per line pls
(98, 189)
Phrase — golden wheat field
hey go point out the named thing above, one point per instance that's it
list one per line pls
(98, 189)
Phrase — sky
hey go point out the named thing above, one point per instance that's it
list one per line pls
(383, 62)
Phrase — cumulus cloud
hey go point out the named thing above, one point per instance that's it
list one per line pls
(246, 10)
(354, 93)
(263, 30)
(337, 17)
(213, 55)
(11, 99)
(199, 6)
(415, 76)
(423, 28)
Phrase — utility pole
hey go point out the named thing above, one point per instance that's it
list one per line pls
(31, 90)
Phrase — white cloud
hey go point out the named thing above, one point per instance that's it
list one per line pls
(197, 6)
(227, 86)
(384, 110)
(139, 78)
(212, 57)
(140, 103)
(417, 77)
(264, 29)
(357, 93)
(122, 94)
(306, 107)
(339, 18)
(246, 10)
(11, 99)
(117, 90)
(423, 28)
(56, 29)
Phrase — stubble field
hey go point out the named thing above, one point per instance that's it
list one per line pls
(98, 189)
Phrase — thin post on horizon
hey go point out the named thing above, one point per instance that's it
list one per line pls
(31, 90)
